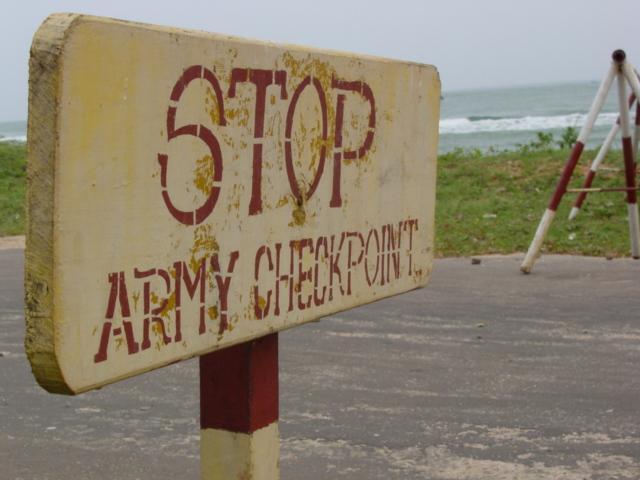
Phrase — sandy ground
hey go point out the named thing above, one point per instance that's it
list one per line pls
(486, 374)
(7, 243)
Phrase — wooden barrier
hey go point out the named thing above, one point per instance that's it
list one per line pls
(191, 192)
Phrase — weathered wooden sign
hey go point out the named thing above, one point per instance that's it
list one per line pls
(191, 191)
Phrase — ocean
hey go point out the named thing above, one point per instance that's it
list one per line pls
(501, 118)
(13, 131)
(504, 118)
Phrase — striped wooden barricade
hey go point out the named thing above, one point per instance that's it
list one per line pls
(624, 74)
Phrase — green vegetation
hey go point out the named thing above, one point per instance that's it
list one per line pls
(12, 188)
(486, 202)
(568, 137)
(492, 203)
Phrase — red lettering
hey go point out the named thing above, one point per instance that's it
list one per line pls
(411, 224)
(364, 90)
(334, 269)
(393, 250)
(373, 233)
(351, 263)
(336, 195)
(287, 279)
(192, 285)
(261, 79)
(303, 275)
(300, 196)
(261, 306)
(319, 300)
(384, 259)
(197, 216)
(224, 283)
(117, 294)
(151, 315)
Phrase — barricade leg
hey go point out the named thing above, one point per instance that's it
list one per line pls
(636, 134)
(632, 78)
(629, 168)
(561, 188)
(595, 165)
(239, 412)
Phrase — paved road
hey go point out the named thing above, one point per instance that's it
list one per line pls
(485, 374)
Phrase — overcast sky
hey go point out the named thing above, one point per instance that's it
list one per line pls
(474, 44)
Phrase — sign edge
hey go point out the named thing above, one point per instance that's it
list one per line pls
(42, 156)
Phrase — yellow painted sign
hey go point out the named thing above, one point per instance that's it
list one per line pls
(191, 191)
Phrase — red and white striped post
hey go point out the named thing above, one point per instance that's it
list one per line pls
(572, 161)
(629, 163)
(239, 412)
(632, 77)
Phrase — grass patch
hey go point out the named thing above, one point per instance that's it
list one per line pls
(486, 203)
(12, 188)
(492, 203)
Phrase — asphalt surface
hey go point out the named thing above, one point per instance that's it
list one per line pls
(485, 374)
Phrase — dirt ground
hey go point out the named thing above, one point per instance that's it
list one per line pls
(7, 243)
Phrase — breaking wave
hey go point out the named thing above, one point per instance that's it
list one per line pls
(14, 138)
(478, 124)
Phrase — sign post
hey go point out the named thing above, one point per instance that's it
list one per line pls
(239, 411)
(192, 194)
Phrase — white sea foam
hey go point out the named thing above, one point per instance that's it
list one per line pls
(471, 125)
(14, 138)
